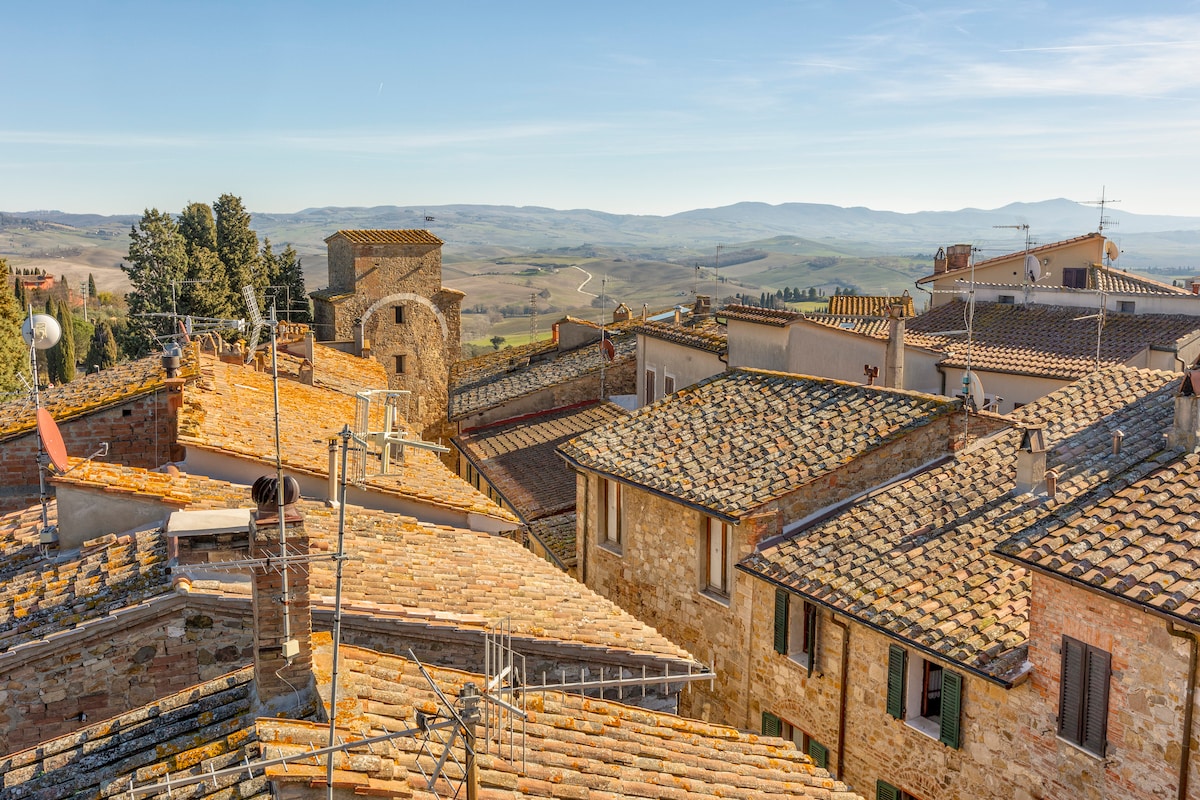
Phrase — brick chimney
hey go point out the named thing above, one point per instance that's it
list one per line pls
(939, 261)
(1031, 460)
(1185, 430)
(702, 308)
(282, 625)
(893, 367)
(958, 256)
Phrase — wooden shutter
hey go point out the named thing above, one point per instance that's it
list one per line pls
(771, 724)
(1070, 692)
(895, 681)
(951, 708)
(781, 621)
(1095, 712)
(819, 753)
(885, 791)
(810, 636)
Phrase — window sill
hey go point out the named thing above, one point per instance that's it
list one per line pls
(799, 661)
(1080, 748)
(926, 725)
(716, 597)
(612, 547)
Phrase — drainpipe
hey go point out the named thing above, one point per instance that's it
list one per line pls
(1186, 749)
(841, 742)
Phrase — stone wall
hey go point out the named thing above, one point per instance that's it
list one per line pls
(1147, 693)
(140, 432)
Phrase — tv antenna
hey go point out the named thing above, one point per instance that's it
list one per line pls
(1031, 268)
(1103, 202)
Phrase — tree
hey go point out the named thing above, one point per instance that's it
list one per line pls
(91, 286)
(237, 247)
(205, 292)
(14, 355)
(157, 264)
(102, 353)
(497, 341)
(290, 275)
(66, 344)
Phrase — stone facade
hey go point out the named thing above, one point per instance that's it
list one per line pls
(386, 296)
(1147, 696)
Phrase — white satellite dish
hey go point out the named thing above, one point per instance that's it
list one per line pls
(975, 391)
(1033, 267)
(41, 330)
(1111, 250)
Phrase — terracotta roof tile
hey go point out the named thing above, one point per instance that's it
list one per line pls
(855, 305)
(333, 369)
(1032, 251)
(519, 456)
(914, 557)
(172, 487)
(707, 334)
(574, 747)
(376, 236)
(91, 392)
(557, 534)
(1114, 281)
(229, 409)
(764, 316)
(742, 438)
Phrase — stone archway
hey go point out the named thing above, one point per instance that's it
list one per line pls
(392, 299)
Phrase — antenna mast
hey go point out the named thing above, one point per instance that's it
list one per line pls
(1103, 202)
(1026, 269)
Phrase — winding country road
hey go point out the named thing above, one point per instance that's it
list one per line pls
(586, 281)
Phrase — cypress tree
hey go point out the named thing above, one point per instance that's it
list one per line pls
(157, 264)
(14, 355)
(102, 353)
(237, 247)
(66, 344)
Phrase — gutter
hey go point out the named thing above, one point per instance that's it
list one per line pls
(1186, 739)
(842, 689)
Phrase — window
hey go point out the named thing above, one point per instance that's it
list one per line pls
(885, 791)
(1075, 277)
(668, 385)
(1083, 695)
(399, 311)
(1007, 299)
(650, 378)
(610, 512)
(717, 545)
(400, 365)
(796, 629)
(925, 695)
(774, 726)
(1125, 306)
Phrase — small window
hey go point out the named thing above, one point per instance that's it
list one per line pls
(1075, 277)
(796, 629)
(668, 385)
(651, 380)
(610, 512)
(399, 310)
(1007, 299)
(1083, 695)
(1125, 306)
(400, 359)
(885, 791)
(925, 695)
(717, 545)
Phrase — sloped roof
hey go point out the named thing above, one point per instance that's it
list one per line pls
(557, 534)
(493, 388)
(470, 371)
(763, 316)
(169, 486)
(389, 236)
(574, 747)
(205, 727)
(1114, 281)
(333, 369)
(708, 334)
(91, 392)
(519, 456)
(915, 558)
(856, 305)
(739, 439)
(229, 409)
(1043, 248)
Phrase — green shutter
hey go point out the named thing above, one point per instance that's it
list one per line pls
(885, 791)
(895, 681)
(771, 724)
(951, 708)
(781, 621)
(810, 636)
(819, 753)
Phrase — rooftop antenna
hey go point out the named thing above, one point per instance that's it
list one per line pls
(290, 646)
(533, 317)
(603, 333)
(1103, 202)
(1031, 269)
(717, 274)
(1099, 316)
(41, 332)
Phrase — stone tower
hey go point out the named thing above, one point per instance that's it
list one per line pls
(386, 301)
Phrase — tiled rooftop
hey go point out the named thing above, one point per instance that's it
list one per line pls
(494, 388)
(468, 372)
(707, 334)
(856, 305)
(171, 487)
(40, 595)
(574, 747)
(1114, 281)
(1032, 251)
(229, 409)
(914, 557)
(376, 236)
(88, 393)
(557, 534)
(519, 456)
(763, 316)
(207, 727)
(740, 439)
(333, 369)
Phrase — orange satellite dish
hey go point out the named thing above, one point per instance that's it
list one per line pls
(610, 352)
(52, 440)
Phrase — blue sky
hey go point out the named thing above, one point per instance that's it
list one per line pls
(646, 107)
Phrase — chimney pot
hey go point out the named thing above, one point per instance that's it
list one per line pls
(1185, 428)
(1031, 460)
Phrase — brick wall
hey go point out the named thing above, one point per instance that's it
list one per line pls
(1146, 698)
(140, 432)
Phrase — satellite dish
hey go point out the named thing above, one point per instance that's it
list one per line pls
(52, 440)
(41, 330)
(975, 392)
(1111, 250)
(1033, 267)
(610, 352)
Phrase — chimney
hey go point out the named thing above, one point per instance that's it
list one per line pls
(893, 367)
(678, 315)
(958, 257)
(1031, 460)
(1185, 431)
(702, 308)
(939, 261)
(282, 618)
